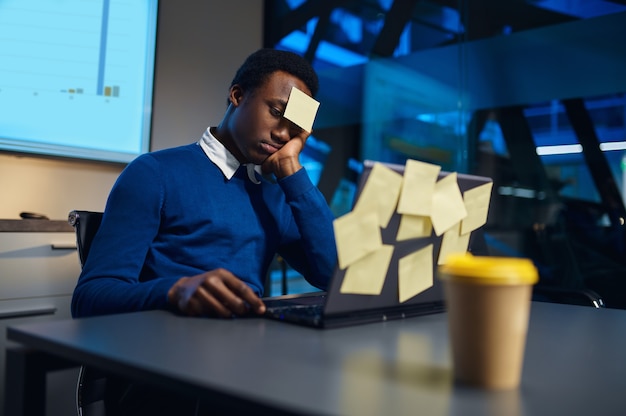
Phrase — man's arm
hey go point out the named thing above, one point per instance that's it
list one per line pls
(309, 246)
(109, 282)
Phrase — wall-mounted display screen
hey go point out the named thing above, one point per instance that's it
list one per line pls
(76, 77)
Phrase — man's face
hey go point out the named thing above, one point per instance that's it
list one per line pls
(258, 126)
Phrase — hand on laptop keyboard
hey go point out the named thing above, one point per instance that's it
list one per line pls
(214, 293)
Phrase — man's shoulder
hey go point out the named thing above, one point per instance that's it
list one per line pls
(179, 153)
(176, 151)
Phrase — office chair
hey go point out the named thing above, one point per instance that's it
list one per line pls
(86, 224)
(91, 385)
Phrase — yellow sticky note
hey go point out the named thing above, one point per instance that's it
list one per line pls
(453, 242)
(367, 275)
(418, 187)
(414, 226)
(415, 273)
(448, 206)
(301, 109)
(380, 193)
(477, 206)
(356, 235)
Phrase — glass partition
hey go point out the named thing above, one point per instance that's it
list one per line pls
(528, 92)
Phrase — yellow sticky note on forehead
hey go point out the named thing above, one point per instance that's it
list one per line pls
(301, 109)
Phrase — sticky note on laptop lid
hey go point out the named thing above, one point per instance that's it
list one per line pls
(301, 109)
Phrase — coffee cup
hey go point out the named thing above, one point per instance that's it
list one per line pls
(488, 305)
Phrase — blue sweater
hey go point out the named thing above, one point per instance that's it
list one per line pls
(172, 213)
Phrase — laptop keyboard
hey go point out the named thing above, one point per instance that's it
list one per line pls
(302, 311)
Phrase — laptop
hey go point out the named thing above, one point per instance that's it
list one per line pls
(332, 309)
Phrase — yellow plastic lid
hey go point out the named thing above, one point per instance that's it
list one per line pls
(488, 270)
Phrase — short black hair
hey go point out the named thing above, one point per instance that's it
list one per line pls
(261, 64)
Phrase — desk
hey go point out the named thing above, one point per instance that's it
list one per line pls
(38, 272)
(575, 362)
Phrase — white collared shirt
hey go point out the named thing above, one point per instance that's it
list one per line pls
(223, 159)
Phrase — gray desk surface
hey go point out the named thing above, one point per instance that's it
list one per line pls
(575, 362)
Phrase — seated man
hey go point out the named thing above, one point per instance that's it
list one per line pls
(194, 228)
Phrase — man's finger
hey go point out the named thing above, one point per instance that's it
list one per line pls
(231, 293)
(247, 294)
(213, 304)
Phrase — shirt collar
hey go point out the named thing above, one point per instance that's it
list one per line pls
(223, 159)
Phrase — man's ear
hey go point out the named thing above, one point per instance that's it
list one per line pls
(235, 95)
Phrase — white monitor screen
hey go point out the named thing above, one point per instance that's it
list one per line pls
(76, 77)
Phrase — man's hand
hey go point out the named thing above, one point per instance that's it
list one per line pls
(286, 161)
(214, 293)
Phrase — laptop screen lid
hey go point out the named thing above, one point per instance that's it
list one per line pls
(342, 302)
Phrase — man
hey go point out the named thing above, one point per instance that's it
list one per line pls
(194, 228)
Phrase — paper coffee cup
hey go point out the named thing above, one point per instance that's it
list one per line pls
(488, 305)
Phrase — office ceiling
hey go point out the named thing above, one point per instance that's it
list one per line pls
(343, 32)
